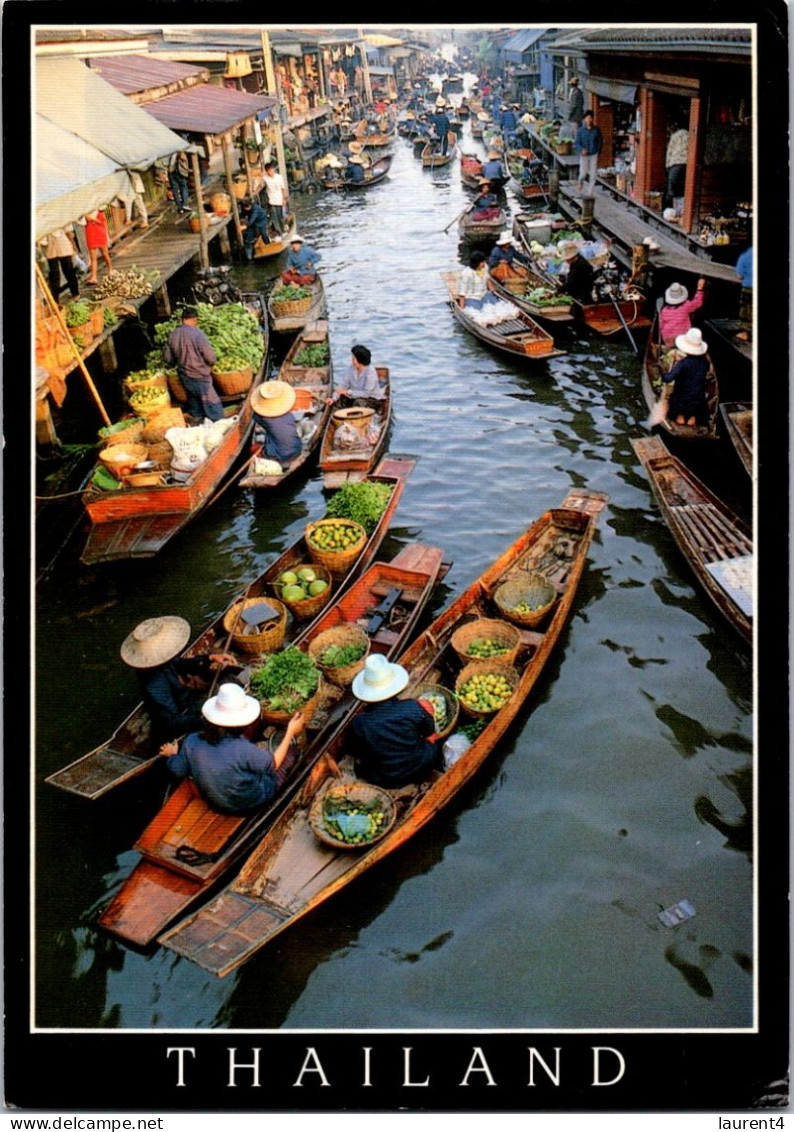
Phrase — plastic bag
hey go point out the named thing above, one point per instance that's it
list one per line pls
(454, 747)
(346, 438)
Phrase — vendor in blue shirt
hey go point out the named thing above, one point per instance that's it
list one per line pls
(505, 252)
(355, 169)
(172, 686)
(255, 219)
(275, 426)
(744, 269)
(231, 772)
(392, 740)
(361, 382)
(301, 262)
(492, 168)
(441, 125)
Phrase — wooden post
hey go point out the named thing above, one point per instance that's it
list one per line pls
(271, 88)
(46, 436)
(227, 164)
(162, 301)
(107, 355)
(248, 180)
(223, 240)
(362, 49)
(693, 165)
(204, 257)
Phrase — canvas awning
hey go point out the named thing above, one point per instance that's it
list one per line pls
(612, 89)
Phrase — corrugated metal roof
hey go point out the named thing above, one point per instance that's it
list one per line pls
(709, 39)
(207, 109)
(523, 39)
(132, 74)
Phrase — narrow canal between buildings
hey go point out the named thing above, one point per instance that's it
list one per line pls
(624, 787)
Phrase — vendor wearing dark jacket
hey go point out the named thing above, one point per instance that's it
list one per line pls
(392, 739)
(191, 351)
(172, 686)
(232, 773)
(441, 125)
(275, 426)
(688, 403)
(579, 280)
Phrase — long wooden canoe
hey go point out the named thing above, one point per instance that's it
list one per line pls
(521, 337)
(474, 230)
(372, 176)
(654, 390)
(433, 158)
(471, 172)
(290, 323)
(137, 522)
(291, 872)
(342, 465)
(313, 385)
(715, 542)
(737, 417)
(521, 282)
(275, 243)
(189, 846)
(131, 749)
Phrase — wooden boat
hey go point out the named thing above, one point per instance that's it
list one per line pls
(419, 141)
(654, 389)
(529, 190)
(433, 159)
(471, 172)
(533, 188)
(275, 244)
(478, 124)
(338, 466)
(287, 322)
(137, 522)
(313, 385)
(474, 230)
(737, 417)
(602, 318)
(377, 141)
(715, 542)
(464, 110)
(189, 846)
(291, 872)
(521, 337)
(372, 175)
(523, 281)
(131, 749)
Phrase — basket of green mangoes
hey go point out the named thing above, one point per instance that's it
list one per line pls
(483, 688)
(304, 589)
(486, 639)
(351, 814)
(335, 544)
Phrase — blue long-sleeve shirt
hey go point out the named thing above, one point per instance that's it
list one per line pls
(390, 742)
(281, 439)
(304, 260)
(173, 708)
(744, 268)
(234, 775)
(508, 120)
(492, 169)
(588, 140)
(189, 348)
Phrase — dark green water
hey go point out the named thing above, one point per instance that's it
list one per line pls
(625, 786)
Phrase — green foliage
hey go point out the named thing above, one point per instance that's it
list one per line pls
(318, 354)
(291, 291)
(232, 330)
(337, 656)
(286, 680)
(109, 317)
(363, 502)
(77, 313)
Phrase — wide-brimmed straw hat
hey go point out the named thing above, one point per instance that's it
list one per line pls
(155, 641)
(675, 294)
(504, 239)
(493, 155)
(483, 181)
(355, 146)
(379, 679)
(273, 398)
(231, 707)
(691, 342)
(296, 239)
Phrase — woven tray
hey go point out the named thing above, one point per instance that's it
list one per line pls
(340, 635)
(482, 629)
(534, 589)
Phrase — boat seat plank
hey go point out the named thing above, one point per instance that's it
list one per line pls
(92, 774)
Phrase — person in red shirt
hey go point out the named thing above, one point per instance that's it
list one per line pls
(96, 238)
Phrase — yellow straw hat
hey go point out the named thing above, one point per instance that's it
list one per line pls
(273, 398)
(155, 641)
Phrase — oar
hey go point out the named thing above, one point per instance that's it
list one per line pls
(468, 208)
(225, 648)
(624, 323)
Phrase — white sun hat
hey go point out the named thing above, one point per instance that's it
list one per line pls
(379, 679)
(231, 707)
(691, 342)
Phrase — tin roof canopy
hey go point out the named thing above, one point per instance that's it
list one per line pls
(208, 109)
(132, 74)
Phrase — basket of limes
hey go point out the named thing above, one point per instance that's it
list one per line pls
(351, 814)
(483, 688)
(527, 600)
(335, 544)
(486, 639)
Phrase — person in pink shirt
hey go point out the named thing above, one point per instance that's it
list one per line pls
(674, 317)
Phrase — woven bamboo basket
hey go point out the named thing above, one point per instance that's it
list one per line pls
(358, 417)
(157, 426)
(97, 319)
(162, 453)
(338, 562)
(176, 388)
(308, 708)
(235, 381)
(269, 639)
(150, 408)
(84, 334)
(450, 699)
(131, 385)
(342, 675)
(485, 628)
(534, 589)
(564, 148)
(284, 307)
(130, 435)
(304, 610)
(488, 668)
(122, 458)
(351, 790)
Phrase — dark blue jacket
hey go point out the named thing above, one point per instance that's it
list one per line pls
(282, 442)
(588, 140)
(508, 120)
(441, 124)
(173, 709)
(390, 743)
(689, 392)
(234, 775)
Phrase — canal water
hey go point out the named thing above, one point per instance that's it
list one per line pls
(624, 787)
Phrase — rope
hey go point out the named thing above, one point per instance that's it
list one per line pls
(64, 495)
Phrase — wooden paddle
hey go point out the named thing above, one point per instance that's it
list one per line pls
(624, 323)
(457, 218)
